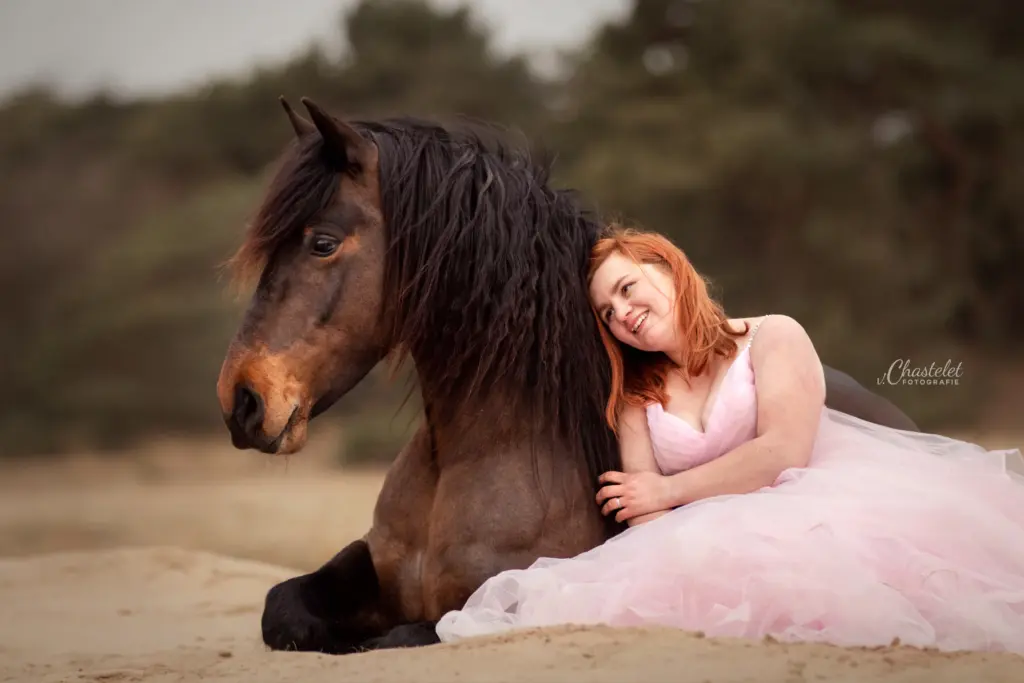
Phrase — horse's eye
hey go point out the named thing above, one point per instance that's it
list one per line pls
(323, 245)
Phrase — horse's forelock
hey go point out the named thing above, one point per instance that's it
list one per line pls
(303, 186)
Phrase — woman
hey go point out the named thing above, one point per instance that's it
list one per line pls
(755, 510)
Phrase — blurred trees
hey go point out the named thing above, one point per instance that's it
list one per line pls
(857, 164)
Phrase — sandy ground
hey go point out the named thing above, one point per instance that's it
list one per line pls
(156, 570)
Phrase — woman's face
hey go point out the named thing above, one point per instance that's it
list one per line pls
(636, 302)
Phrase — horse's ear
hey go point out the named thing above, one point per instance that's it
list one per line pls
(347, 146)
(301, 126)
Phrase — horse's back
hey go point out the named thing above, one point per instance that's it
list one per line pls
(847, 395)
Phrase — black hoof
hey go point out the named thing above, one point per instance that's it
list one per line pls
(332, 610)
(288, 625)
(406, 635)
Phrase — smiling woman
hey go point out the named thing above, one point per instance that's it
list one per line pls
(650, 298)
(756, 510)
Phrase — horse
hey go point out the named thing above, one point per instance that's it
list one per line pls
(407, 240)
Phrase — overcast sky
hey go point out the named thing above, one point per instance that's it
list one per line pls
(143, 47)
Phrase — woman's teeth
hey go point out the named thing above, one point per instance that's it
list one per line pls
(639, 322)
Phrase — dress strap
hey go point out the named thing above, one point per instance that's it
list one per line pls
(754, 332)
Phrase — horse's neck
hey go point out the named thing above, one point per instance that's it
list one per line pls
(503, 437)
(493, 426)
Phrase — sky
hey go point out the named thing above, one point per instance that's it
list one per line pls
(151, 47)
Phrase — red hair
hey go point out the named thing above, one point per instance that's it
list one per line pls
(638, 377)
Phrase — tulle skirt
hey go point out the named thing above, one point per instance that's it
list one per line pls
(885, 534)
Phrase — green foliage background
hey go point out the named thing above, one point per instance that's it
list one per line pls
(857, 164)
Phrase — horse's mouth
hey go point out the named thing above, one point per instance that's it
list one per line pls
(286, 441)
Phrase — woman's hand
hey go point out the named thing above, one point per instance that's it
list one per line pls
(633, 494)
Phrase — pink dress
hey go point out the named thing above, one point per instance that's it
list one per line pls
(885, 534)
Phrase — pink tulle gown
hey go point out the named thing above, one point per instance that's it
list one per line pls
(886, 534)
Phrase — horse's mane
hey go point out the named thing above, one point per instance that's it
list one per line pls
(485, 278)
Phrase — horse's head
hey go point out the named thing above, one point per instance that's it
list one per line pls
(313, 328)
(444, 242)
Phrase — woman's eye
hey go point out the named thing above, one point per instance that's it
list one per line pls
(323, 245)
(625, 288)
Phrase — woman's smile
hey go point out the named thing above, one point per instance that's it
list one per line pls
(639, 321)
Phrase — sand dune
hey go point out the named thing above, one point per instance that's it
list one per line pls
(117, 609)
(167, 614)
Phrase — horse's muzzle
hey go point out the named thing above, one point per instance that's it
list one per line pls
(245, 422)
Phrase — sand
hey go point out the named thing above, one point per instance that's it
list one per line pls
(115, 575)
(167, 614)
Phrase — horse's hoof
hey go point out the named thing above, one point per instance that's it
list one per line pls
(288, 625)
(406, 635)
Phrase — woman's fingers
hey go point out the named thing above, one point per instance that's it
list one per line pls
(612, 477)
(613, 505)
(610, 491)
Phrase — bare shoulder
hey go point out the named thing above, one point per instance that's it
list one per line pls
(768, 330)
(777, 330)
(782, 345)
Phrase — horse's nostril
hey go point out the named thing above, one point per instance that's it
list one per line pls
(248, 411)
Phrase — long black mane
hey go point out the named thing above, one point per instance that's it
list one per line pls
(485, 278)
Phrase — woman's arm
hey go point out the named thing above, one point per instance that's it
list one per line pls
(637, 452)
(790, 398)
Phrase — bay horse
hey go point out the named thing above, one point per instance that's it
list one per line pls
(409, 239)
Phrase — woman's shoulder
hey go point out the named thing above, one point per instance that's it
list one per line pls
(781, 342)
(771, 328)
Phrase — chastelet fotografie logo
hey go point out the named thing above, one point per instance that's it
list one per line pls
(903, 372)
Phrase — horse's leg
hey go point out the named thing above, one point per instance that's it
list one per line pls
(517, 504)
(373, 584)
(845, 394)
(399, 542)
(405, 635)
(331, 610)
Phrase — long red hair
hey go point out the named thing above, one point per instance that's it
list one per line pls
(639, 377)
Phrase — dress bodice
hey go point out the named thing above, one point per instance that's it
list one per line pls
(732, 420)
